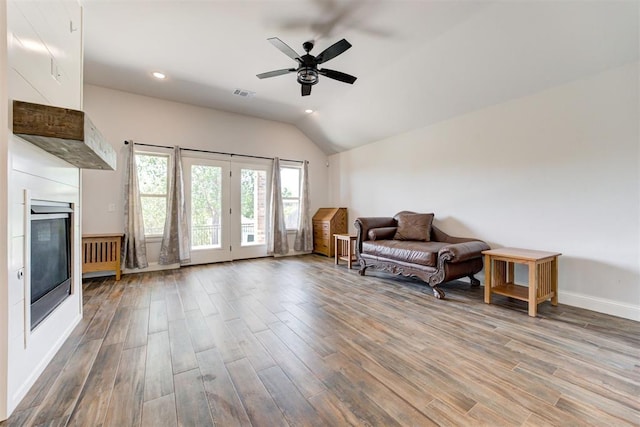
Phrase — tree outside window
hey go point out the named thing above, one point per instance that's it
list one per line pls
(206, 205)
(152, 179)
(253, 204)
(290, 180)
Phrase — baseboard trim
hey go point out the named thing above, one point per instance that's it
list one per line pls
(601, 305)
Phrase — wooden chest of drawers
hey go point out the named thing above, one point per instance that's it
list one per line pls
(326, 223)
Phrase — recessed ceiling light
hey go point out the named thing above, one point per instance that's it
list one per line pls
(308, 111)
(158, 75)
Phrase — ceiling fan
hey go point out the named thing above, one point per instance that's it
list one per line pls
(332, 16)
(308, 71)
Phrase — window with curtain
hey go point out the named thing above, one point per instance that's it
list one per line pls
(290, 179)
(152, 176)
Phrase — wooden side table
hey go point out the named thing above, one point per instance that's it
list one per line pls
(500, 276)
(345, 248)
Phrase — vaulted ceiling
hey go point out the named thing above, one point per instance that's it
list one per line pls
(417, 62)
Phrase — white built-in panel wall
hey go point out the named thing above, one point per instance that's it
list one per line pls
(42, 36)
(122, 116)
(555, 171)
(44, 66)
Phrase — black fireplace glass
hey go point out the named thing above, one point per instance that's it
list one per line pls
(49, 255)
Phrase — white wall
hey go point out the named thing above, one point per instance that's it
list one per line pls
(125, 116)
(555, 171)
(4, 224)
(38, 33)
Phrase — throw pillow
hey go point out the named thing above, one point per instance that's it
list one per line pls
(414, 227)
(382, 233)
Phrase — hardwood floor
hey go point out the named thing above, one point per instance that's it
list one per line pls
(300, 341)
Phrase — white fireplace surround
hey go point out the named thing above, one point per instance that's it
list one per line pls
(43, 342)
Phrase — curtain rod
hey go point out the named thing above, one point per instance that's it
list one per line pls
(211, 152)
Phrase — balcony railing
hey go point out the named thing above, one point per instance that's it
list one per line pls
(205, 235)
(209, 235)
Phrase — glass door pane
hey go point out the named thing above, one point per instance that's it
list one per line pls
(253, 206)
(207, 199)
(206, 206)
(249, 198)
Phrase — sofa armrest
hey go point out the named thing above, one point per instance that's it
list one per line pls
(459, 252)
(438, 235)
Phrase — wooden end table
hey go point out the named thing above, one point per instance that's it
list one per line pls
(345, 248)
(500, 278)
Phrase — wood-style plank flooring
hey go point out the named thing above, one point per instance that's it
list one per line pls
(300, 341)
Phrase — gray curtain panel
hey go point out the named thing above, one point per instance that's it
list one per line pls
(134, 250)
(176, 243)
(277, 243)
(304, 236)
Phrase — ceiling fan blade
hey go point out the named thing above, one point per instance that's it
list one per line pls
(337, 75)
(284, 48)
(306, 90)
(332, 51)
(275, 73)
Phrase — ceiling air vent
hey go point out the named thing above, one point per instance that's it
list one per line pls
(244, 93)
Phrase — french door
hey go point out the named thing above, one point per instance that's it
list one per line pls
(227, 205)
(250, 186)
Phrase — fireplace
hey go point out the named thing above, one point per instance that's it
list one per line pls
(50, 270)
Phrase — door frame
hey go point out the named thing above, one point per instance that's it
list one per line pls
(231, 247)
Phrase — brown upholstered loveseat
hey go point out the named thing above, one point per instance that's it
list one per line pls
(410, 245)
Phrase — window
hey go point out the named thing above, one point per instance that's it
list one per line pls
(290, 180)
(152, 179)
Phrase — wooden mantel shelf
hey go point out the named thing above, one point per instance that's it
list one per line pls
(65, 133)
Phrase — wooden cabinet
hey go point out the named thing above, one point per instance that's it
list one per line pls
(101, 252)
(326, 223)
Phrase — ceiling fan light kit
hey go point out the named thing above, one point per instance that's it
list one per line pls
(307, 71)
(307, 76)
